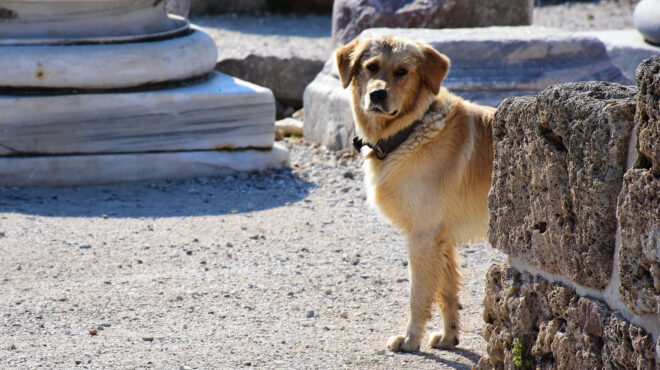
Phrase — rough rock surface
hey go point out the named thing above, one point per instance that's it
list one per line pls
(350, 17)
(647, 118)
(556, 327)
(639, 253)
(559, 164)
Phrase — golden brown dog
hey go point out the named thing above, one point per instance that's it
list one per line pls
(429, 170)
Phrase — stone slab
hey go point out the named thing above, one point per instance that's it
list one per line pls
(221, 112)
(79, 170)
(488, 65)
(626, 49)
(647, 118)
(559, 162)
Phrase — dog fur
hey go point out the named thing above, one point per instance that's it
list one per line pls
(434, 186)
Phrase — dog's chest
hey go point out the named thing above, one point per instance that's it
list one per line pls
(401, 194)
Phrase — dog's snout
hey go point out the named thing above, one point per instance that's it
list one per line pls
(378, 96)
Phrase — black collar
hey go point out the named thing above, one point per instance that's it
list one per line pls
(384, 147)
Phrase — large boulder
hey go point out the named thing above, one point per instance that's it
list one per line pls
(350, 17)
(648, 113)
(639, 202)
(559, 163)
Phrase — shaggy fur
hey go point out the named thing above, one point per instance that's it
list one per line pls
(434, 186)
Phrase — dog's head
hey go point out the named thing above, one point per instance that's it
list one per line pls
(391, 78)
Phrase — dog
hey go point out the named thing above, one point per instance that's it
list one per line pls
(429, 168)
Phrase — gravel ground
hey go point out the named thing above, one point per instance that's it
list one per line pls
(285, 269)
(282, 269)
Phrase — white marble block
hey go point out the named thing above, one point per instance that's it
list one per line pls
(220, 113)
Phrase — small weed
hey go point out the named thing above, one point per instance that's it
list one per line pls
(518, 352)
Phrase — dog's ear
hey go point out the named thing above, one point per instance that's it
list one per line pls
(347, 63)
(435, 66)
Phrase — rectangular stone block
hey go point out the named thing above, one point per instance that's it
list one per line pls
(559, 163)
(220, 113)
(647, 118)
(639, 254)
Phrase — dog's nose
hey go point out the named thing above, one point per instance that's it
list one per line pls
(378, 96)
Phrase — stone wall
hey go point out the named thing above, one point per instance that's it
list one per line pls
(575, 203)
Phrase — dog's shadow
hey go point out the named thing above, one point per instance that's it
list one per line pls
(473, 357)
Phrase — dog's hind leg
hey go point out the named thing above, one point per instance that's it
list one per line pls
(426, 262)
(447, 297)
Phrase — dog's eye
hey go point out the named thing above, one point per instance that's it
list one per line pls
(401, 72)
(373, 67)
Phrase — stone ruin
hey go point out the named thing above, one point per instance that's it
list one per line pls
(575, 204)
(107, 91)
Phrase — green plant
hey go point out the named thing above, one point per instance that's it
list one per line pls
(518, 351)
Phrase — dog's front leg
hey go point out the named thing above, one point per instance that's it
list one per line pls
(423, 284)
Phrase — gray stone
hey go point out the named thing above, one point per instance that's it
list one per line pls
(488, 65)
(219, 113)
(286, 75)
(328, 116)
(626, 49)
(559, 163)
(647, 20)
(350, 17)
(647, 118)
(639, 254)
(178, 7)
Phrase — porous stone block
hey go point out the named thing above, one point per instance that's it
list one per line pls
(647, 118)
(558, 169)
(639, 253)
(556, 327)
(350, 17)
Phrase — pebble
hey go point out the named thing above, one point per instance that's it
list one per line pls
(93, 331)
(309, 314)
(344, 315)
(148, 339)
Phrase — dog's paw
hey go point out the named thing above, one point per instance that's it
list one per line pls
(438, 341)
(399, 343)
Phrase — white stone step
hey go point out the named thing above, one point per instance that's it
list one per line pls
(220, 113)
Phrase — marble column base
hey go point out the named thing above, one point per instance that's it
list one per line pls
(79, 170)
(221, 112)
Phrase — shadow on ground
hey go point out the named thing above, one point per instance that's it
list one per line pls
(237, 193)
(471, 356)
